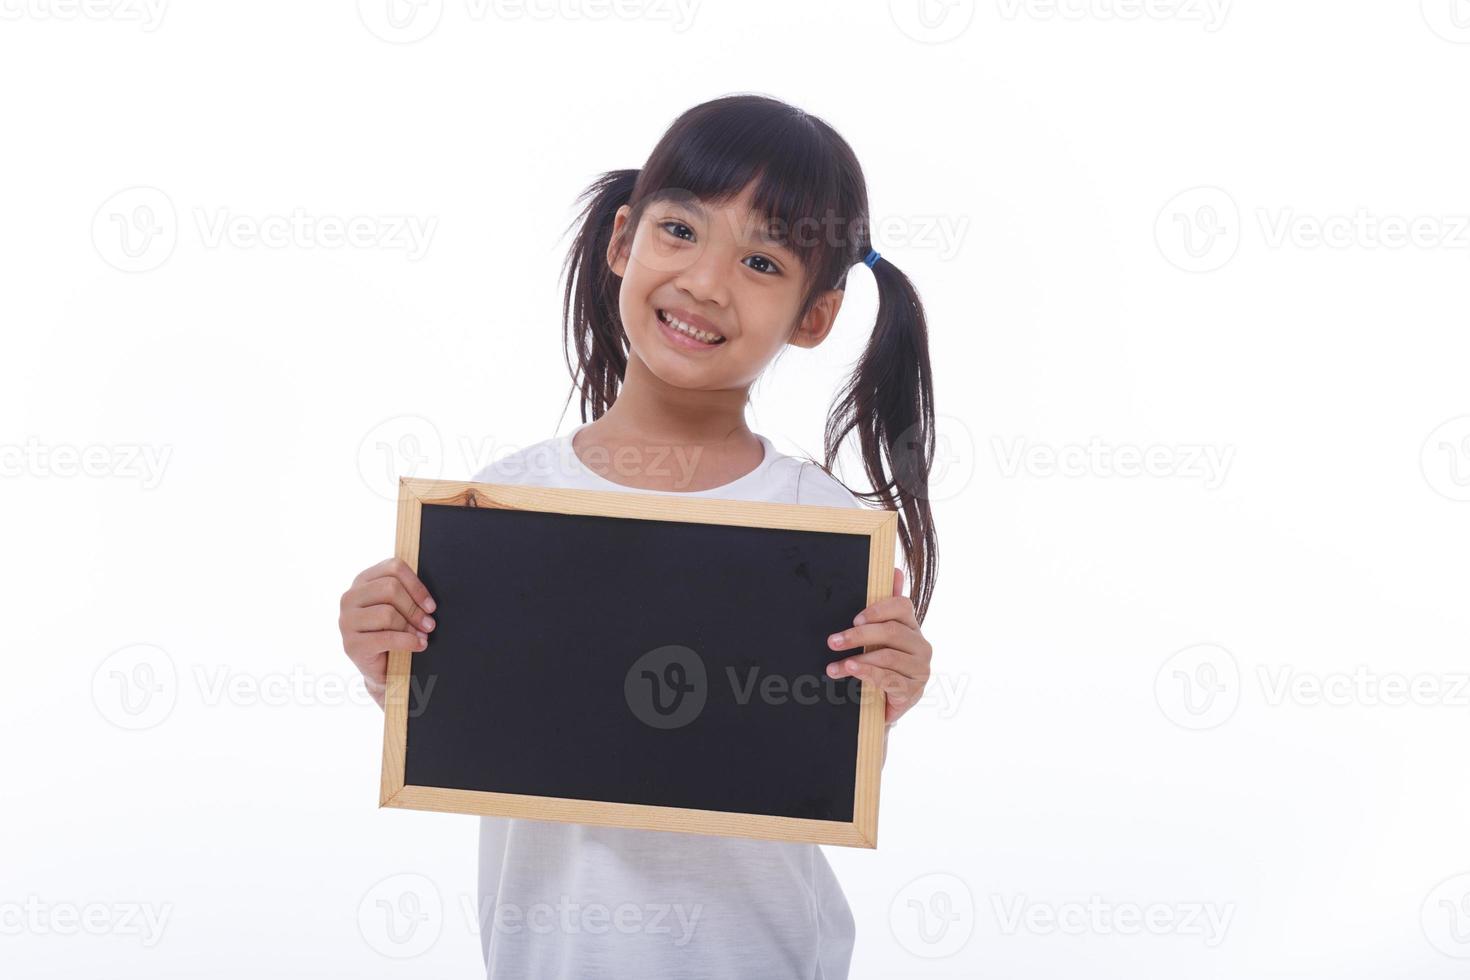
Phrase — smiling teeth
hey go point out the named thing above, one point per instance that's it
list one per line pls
(695, 332)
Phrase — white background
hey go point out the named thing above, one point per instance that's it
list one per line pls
(1230, 689)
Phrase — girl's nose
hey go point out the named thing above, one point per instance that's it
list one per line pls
(704, 278)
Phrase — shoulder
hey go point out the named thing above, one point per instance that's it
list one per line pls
(539, 463)
(815, 486)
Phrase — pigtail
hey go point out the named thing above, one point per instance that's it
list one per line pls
(890, 402)
(591, 323)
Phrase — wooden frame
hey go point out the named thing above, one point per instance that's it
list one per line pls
(879, 525)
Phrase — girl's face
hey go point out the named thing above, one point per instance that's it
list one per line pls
(712, 269)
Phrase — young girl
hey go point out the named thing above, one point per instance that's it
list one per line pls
(685, 281)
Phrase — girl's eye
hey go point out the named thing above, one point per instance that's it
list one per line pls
(674, 228)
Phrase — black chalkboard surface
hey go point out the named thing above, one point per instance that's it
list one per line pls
(639, 660)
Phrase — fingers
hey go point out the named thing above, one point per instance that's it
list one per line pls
(369, 650)
(398, 568)
(899, 662)
(366, 650)
(889, 633)
(899, 692)
(387, 591)
(894, 608)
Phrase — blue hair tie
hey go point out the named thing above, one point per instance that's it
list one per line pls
(871, 259)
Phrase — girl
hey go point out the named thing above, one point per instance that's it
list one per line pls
(685, 280)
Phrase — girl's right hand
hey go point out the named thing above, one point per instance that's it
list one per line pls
(386, 608)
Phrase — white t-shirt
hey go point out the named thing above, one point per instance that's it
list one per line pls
(564, 901)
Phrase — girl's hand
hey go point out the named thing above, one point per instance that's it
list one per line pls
(386, 608)
(898, 656)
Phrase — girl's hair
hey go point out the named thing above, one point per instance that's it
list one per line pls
(809, 189)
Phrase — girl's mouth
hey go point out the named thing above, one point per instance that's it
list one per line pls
(686, 336)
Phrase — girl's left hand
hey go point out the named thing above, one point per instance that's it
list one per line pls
(897, 660)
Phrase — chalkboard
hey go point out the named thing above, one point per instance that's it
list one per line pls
(638, 660)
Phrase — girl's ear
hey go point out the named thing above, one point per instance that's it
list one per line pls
(617, 258)
(818, 321)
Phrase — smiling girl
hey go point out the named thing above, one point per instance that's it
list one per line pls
(685, 281)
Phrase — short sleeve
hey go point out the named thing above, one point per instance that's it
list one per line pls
(814, 486)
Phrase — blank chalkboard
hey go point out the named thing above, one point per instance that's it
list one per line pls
(638, 660)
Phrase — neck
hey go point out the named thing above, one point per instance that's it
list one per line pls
(650, 410)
